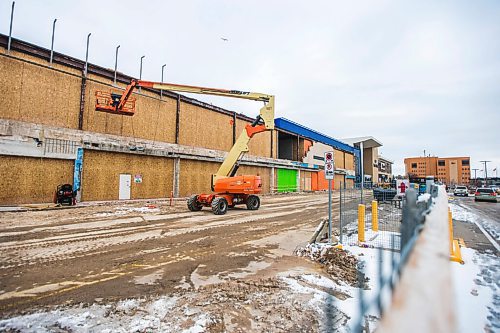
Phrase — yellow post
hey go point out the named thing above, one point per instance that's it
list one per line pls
(374, 215)
(361, 223)
(455, 253)
(450, 227)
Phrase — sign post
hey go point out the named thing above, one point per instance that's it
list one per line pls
(329, 174)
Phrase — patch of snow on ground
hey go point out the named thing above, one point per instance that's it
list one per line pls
(462, 214)
(476, 285)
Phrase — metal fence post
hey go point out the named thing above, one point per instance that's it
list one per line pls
(340, 211)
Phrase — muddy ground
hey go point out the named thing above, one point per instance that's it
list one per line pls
(116, 251)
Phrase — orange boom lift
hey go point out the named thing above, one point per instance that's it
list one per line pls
(230, 190)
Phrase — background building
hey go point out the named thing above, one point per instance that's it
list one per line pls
(384, 169)
(449, 170)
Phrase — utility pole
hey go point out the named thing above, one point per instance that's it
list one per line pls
(485, 172)
(475, 176)
(425, 161)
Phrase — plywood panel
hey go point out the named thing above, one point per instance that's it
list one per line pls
(154, 118)
(349, 161)
(101, 171)
(305, 181)
(195, 176)
(205, 128)
(338, 156)
(39, 94)
(10, 88)
(32, 180)
(260, 144)
(45, 62)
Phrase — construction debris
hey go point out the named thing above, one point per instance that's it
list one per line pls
(339, 264)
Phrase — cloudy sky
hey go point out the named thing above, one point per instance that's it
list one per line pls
(414, 74)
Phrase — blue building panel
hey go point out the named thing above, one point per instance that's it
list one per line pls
(293, 127)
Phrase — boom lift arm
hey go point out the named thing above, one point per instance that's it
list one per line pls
(117, 104)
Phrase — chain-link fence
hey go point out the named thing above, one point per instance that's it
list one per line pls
(409, 220)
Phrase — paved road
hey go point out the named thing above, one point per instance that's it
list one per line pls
(487, 215)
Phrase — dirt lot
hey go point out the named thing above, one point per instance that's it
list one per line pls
(115, 251)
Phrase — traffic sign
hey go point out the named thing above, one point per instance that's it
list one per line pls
(329, 165)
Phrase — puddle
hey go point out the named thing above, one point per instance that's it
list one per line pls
(149, 279)
(252, 268)
(183, 284)
(200, 280)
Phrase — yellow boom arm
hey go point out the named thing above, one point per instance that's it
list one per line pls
(117, 105)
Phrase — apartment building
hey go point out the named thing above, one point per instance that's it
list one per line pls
(449, 170)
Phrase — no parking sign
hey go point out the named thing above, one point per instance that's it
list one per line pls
(329, 165)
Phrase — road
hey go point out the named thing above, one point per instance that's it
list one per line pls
(484, 230)
(117, 251)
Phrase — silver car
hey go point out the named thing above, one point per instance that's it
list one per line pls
(485, 194)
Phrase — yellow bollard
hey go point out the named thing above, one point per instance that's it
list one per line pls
(374, 215)
(361, 223)
(455, 253)
(450, 227)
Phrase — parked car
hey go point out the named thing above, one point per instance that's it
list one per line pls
(461, 190)
(495, 188)
(485, 194)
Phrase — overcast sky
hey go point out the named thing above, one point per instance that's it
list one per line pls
(414, 74)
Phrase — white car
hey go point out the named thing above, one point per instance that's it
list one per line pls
(461, 190)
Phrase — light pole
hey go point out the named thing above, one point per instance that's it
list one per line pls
(475, 176)
(162, 68)
(10, 27)
(485, 172)
(140, 72)
(87, 55)
(116, 62)
(52, 44)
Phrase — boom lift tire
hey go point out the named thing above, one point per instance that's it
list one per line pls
(219, 206)
(193, 204)
(253, 202)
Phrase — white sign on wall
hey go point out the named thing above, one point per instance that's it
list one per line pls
(329, 165)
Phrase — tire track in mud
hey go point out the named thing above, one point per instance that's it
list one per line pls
(197, 239)
(31, 250)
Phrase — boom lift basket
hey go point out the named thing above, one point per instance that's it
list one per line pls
(107, 102)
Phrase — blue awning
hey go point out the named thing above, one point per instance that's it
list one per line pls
(293, 127)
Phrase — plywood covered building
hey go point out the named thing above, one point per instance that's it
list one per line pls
(47, 116)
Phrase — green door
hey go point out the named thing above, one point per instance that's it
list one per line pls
(287, 180)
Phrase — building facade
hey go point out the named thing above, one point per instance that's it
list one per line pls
(449, 170)
(50, 134)
(384, 169)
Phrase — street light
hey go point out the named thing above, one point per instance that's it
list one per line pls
(140, 71)
(162, 68)
(485, 172)
(116, 62)
(475, 176)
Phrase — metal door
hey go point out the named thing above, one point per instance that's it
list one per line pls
(125, 181)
